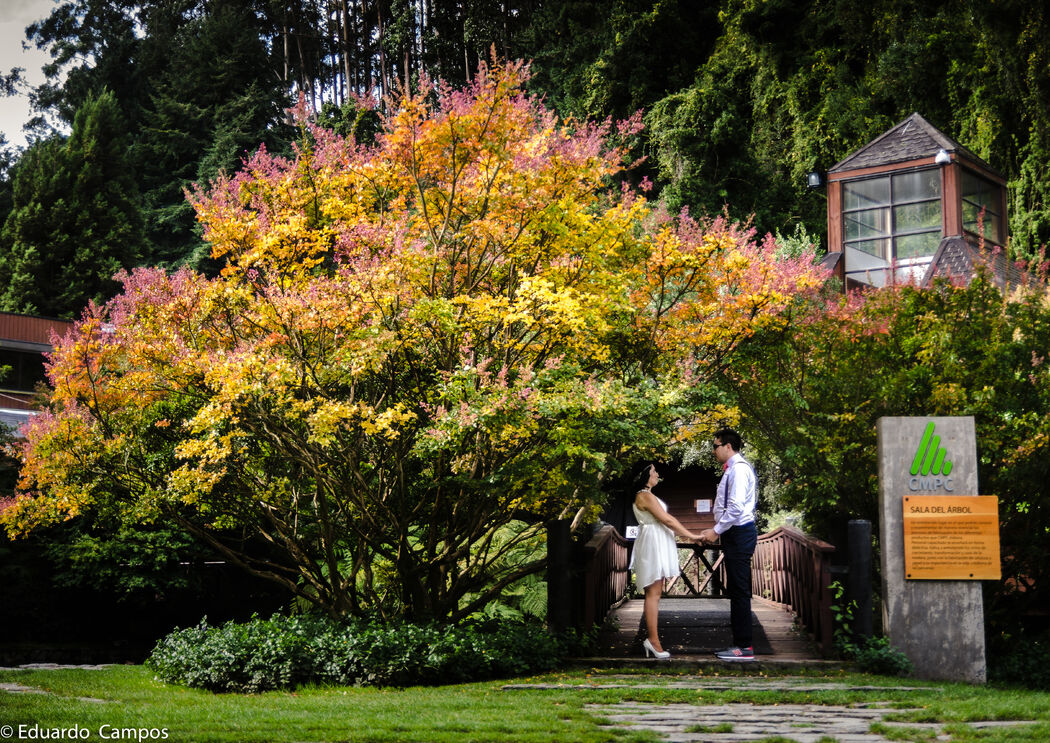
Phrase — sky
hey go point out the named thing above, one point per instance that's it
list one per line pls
(15, 15)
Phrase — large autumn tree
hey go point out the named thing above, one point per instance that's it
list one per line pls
(418, 352)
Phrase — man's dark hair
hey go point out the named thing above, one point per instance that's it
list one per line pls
(641, 477)
(729, 436)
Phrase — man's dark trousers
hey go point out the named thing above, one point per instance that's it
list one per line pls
(738, 545)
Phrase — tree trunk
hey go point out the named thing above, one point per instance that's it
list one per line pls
(383, 82)
(348, 79)
(284, 34)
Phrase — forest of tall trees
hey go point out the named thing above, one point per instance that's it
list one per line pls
(740, 98)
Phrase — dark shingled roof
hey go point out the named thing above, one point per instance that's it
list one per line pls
(958, 258)
(912, 139)
(831, 261)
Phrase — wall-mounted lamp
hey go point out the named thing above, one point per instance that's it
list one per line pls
(942, 157)
(814, 179)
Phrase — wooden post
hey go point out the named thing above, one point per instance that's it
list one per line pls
(559, 575)
(858, 587)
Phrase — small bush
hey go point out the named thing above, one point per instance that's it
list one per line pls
(285, 652)
(1020, 661)
(876, 655)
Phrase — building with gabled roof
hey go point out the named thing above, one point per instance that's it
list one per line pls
(912, 204)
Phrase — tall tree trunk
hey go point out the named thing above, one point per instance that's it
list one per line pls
(366, 48)
(383, 82)
(423, 26)
(305, 85)
(348, 79)
(284, 33)
(506, 32)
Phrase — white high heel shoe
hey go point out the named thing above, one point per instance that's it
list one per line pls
(658, 654)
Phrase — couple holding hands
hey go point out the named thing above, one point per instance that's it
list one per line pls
(655, 554)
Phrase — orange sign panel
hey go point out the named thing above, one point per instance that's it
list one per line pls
(951, 537)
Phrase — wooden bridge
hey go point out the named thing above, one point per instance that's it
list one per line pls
(791, 608)
(693, 628)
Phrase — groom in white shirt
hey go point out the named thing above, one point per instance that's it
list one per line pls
(734, 511)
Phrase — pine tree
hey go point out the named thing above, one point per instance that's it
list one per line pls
(75, 219)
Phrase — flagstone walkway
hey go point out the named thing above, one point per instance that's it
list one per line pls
(746, 723)
(692, 629)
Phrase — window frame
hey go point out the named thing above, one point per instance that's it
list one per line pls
(893, 265)
(27, 370)
(996, 191)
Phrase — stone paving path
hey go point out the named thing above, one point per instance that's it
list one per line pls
(12, 688)
(737, 723)
(742, 723)
(54, 667)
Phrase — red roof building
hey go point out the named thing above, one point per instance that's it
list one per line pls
(24, 339)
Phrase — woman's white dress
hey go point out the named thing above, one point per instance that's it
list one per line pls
(655, 555)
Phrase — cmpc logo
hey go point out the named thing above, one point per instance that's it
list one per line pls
(930, 467)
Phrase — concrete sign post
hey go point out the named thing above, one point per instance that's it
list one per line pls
(938, 624)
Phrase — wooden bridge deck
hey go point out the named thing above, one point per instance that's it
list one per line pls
(693, 628)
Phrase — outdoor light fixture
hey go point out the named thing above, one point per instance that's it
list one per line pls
(942, 157)
(814, 179)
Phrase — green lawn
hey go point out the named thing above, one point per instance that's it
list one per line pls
(128, 697)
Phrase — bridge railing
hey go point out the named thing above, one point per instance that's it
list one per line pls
(793, 569)
(584, 581)
(605, 578)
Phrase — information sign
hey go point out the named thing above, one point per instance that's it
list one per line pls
(949, 537)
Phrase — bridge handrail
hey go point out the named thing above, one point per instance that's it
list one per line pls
(605, 578)
(793, 569)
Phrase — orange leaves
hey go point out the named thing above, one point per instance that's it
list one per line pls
(709, 284)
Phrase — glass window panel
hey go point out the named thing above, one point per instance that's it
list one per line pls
(971, 212)
(9, 363)
(876, 248)
(871, 277)
(921, 184)
(32, 372)
(868, 223)
(911, 273)
(914, 246)
(979, 193)
(864, 267)
(984, 198)
(23, 371)
(977, 189)
(993, 227)
(865, 194)
(921, 215)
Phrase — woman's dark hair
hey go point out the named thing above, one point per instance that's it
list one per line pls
(641, 478)
(729, 436)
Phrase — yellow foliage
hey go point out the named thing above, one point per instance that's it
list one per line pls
(466, 293)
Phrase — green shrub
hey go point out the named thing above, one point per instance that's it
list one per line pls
(1020, 661)
(870, 654)
(285, 652)
(876, 655)
(842, 621)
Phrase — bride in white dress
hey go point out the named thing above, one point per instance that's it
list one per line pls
(655, 554)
